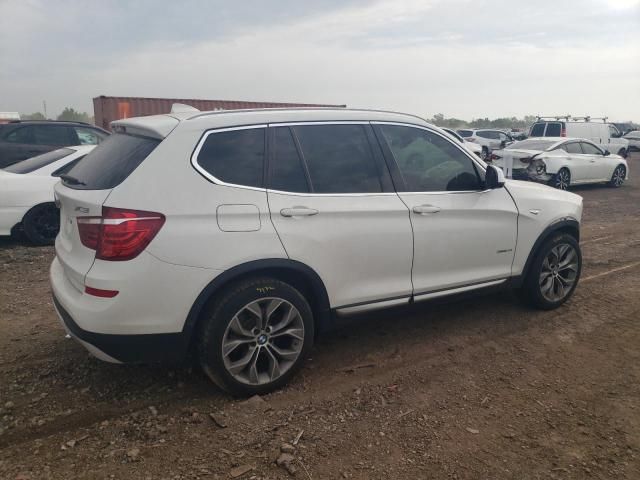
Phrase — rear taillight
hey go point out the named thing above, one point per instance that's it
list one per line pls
(563, 132)
(494, 157)
(120, 234)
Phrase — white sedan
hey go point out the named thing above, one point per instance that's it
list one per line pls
(634, 140)
(473, 147)
(26, 193)
(561, 162)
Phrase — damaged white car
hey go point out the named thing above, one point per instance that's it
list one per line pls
(561, 162)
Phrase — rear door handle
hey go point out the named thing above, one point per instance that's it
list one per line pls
(298, 212)
(425, 209)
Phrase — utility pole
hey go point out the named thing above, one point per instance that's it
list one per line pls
(44, 105)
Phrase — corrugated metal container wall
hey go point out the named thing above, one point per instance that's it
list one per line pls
(108, 109)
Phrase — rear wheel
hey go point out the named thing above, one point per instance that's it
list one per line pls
(255, 336)
(562, 179)
(484, 155)
(41, 224)
(619, 174)
(554, 273)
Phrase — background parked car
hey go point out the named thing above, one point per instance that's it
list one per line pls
(488, 139)
(604, 134)
(25, 139)
(561, 162)
(634, 140)
(474, 147)
(26, 193)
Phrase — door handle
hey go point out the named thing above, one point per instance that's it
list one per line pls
(424, 209)
(298, 212)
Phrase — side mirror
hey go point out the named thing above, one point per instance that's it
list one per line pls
(607, 152)
(494, 178)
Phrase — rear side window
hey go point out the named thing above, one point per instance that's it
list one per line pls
(20, 135)
(35, 163)
(88, 136)
(287, 171)
(573, 148)
(537, 130)
(339, 158)
(235, 156)
(107, 165)
(465, 133)
(553, 130)
(53, 135)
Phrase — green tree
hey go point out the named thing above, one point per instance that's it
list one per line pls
(32, 116)
(70, 115)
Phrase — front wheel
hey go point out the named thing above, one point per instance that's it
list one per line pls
(619, 174)
(553, 276)
(255, 336)
(41, 224)
(562, 179)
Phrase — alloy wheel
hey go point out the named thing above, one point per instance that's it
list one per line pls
(559, 272)
(618, 176)
(562, 180)
(263, 341)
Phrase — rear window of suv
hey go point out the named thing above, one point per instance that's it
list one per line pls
(111, 162)
(537, 130)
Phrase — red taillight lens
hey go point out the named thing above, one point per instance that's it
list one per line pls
(563, 132)
(120, 234)
(99, 292)
(495, 157)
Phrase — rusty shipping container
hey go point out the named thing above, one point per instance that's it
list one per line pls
(108, 109)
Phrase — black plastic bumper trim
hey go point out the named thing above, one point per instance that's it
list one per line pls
(145, 348)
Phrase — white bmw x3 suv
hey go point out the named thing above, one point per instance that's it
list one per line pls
(239, 235)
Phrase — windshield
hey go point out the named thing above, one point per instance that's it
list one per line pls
(35, 163)
(532, 145)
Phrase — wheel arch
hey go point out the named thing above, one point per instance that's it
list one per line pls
(297, 274)
(570, 226)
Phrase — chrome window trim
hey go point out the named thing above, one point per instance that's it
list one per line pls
(213, 178)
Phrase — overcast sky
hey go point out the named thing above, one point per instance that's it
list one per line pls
(463, 58)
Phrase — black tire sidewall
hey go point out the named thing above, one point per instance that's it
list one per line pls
(612, 181)
(555, 178)
(29, 228)
(220, 314)
(532, 284)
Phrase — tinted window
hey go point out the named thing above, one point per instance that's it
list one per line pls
(572, 148)
(20, 135)
(111, 162)
(35, 163)
(537, 130)
(553, 130)
(339, 158)
(428, 162)
(454, 135)
(465, 133)
(484, 134)
(88, 136)
(287, 170)
(235, 157)
(590, 149)
(52, 135)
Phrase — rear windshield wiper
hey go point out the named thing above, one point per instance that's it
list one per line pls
(71, 180)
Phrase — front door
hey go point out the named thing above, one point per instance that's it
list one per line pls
(463, 235)
(334, 208)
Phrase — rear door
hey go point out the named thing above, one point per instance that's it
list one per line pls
(597, 165)
(464, 235)
(334, 208)
(579, 163)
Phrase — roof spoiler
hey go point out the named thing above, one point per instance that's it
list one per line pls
(182, 108)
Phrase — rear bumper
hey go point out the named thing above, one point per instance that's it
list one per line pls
(149, 348)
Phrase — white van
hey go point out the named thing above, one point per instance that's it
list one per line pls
(604, 134)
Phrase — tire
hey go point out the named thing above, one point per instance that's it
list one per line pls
(233, 323)
(485, 154)
(41, 224)
(618, 176)
(553, 262)
(561, 180)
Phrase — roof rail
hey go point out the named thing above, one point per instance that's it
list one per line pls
(554, 117)
(567, 118)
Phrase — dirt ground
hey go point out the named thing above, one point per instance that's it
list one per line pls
(477, 389)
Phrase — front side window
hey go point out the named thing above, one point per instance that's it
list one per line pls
(589, 149)
(235, 156)
(88, 136)
(339, 158)
(286, 169)
(428, 162)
